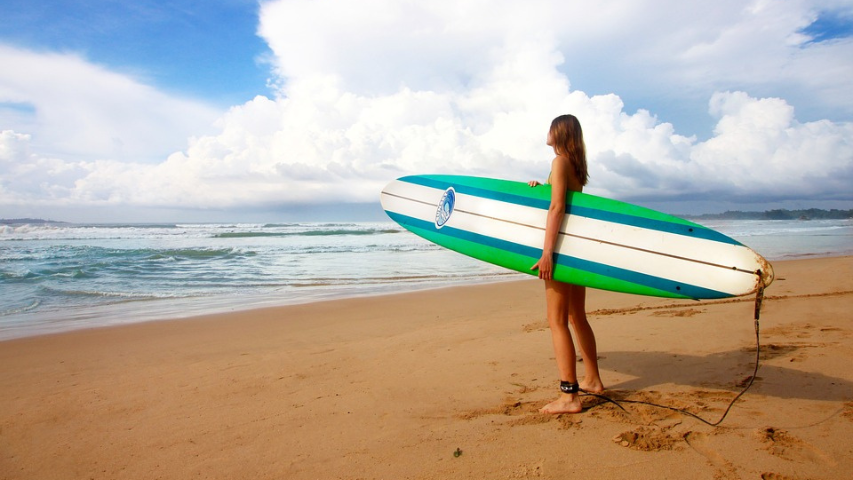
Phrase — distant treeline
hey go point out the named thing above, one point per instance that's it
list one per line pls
(27, 221)
(810, 214)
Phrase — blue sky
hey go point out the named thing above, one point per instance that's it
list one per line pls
(208, 50)
(830, 25)
(233, 109)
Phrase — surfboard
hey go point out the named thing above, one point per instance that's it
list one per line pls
(603, 243)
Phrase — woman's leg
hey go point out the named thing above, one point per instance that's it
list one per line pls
(586, 339)
(558, 300)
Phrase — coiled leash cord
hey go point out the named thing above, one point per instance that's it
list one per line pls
(759, 299)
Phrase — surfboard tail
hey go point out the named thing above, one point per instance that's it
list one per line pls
(765, 274)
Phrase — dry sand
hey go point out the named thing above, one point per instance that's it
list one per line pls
(443, 384)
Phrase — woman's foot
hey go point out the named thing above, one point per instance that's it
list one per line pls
(592, 386)
(567, 403)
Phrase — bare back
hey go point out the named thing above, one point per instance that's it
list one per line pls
(563, 174)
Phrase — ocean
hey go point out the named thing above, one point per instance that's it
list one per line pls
(63, 277)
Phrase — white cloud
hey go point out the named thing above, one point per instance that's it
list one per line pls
(771, 155)
(372, 90)
(759, 153)
(73, 108)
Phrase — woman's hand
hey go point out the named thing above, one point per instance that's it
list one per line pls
(533, 183)
(545, 265)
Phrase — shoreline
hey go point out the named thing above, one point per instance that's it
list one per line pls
(165, 309)
(442, 384)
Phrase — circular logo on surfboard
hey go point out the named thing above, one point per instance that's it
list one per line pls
(445, 207)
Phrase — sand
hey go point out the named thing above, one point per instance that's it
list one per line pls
(442, 384)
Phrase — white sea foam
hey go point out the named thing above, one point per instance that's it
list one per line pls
(57, 277)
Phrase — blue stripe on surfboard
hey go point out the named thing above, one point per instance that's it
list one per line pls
(663, 284)
(594, 213)
(479, 192)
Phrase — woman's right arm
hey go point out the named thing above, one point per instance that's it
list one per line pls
(556, 213)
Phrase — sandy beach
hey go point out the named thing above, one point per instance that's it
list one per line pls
(443, 384)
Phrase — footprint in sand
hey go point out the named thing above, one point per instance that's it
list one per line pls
(518, 413)
(795, 351)
(775, 476)
(647, 439)
(699, 442)
(806, 330)
(535, 327)
(848, 411)
(784, 445)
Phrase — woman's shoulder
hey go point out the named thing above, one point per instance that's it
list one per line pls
(562, 165)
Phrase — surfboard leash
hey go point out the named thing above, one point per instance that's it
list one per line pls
(759, 299)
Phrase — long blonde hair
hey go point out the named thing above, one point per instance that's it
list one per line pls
(567, 137)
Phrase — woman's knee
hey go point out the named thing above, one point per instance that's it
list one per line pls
(578, 320)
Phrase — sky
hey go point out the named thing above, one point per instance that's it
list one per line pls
(239, 110)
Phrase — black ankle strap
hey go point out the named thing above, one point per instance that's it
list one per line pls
(569, 387)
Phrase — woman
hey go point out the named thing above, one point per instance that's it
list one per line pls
(565, 302)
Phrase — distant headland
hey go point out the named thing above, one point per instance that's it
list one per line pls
(781, 214)
(29, 221)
